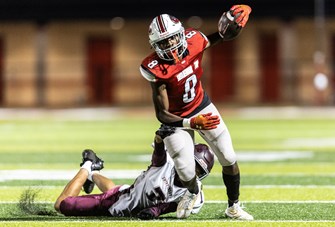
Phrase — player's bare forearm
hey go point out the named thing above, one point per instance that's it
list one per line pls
(161, 103)
(167, 118)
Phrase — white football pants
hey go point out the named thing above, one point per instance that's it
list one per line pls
(180, 146)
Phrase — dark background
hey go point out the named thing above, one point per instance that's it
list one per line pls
(44, 10)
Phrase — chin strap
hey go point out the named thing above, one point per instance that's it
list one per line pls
(175, 56)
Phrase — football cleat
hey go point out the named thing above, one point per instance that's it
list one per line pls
(186, 204)
(198, 203)
(88, 186)
(236, 212)
(97, 164)
(89, 155)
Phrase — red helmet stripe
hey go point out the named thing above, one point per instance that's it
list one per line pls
(161, 25)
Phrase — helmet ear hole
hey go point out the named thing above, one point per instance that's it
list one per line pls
(164, 28)
(204, 158)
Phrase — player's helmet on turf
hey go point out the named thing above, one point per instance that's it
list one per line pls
(204, 159)
(162, 30)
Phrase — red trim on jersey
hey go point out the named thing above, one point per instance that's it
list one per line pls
(161, 25)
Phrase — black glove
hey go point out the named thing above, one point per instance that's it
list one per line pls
(165, 131)
(146, 214)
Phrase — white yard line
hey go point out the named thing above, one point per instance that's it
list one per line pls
(23, 174)
(269, 156)
(224, 201)
(208, 186)
(106, 113)
(218, 220)
(260, 156)
(309, 142)
(276, 201)
(28, 174)
(274, 186)
(286, 112)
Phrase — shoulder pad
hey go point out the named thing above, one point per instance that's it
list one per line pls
(147, 75)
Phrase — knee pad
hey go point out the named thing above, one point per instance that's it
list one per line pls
(181, 149)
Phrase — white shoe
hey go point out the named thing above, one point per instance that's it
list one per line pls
(236, 212)
(186, 204)
(199, 203)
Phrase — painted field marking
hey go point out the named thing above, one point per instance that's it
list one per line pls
(273, 186)
(270, 156)
(218, 220)
(25, 174)
(276, 201)
(220, 201)
(310, 142)
(263, 156)
(209, 186)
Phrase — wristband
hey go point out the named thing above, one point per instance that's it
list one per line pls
(187, 122)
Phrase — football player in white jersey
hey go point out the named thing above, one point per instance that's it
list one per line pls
(155, 191)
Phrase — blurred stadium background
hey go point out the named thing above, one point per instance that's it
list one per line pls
(87, 53)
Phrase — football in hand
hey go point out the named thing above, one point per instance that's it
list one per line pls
(227, 26)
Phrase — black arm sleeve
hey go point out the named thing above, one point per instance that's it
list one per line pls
(159, 155)
(163, 208)
(214, 38)
(174, 124)
(156, 211)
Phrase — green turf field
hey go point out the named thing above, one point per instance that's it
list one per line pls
(287, 168)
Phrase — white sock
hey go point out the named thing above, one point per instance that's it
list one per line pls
(87, 165)
(90, 175)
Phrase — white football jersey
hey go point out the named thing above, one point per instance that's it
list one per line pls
(153, 186)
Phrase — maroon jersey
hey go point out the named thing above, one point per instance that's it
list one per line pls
(182, 79)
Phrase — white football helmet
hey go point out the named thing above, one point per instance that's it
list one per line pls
(167, 37)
